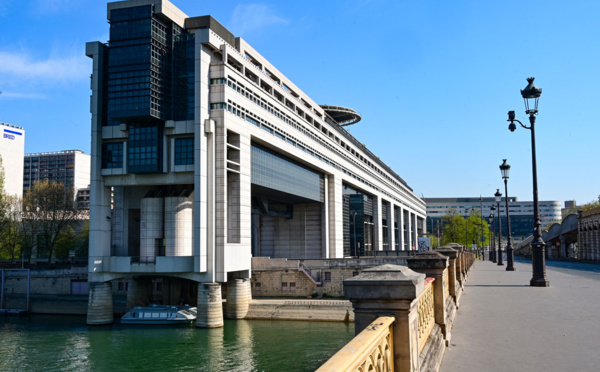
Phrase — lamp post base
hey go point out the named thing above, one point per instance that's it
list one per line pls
(510, 268)
(539, 283)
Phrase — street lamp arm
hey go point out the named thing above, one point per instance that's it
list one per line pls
(518, 121)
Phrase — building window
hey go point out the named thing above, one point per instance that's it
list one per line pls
(354, 273)
(184, 151)
(144, 149)
(327, 276)
(284, 287)
(257, 286)
(112, 155)
(292, 287)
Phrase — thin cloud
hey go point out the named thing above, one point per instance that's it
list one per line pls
(22, 95)
(54, 6)
(15, 66)
(254, 17)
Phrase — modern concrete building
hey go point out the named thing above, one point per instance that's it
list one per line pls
(69, 167)
(214, 156)
(521, 212)
(12, 148)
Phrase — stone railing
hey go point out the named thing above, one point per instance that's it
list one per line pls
(426, 313)
(421, 300)
(370, 350)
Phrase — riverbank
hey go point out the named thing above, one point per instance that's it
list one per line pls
(318, 310)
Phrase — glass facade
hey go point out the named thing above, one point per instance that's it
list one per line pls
(184, 151)
(112, 155)
(276, 172)
(144, 148)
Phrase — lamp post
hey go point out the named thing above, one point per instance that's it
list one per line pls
(498, 196)
(493, 259)
(531, 95)
(491, 239)
(481, 226)
(510, 257)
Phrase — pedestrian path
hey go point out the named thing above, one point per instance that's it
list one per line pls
(505, 325)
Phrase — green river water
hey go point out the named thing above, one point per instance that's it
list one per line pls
(65, 343)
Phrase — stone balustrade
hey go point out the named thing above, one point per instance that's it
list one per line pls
(420, 302)
(370, 350)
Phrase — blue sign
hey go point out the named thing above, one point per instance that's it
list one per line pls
(9, 134)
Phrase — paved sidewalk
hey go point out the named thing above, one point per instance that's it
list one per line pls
(505, 325)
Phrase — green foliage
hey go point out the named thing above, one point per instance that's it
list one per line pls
(50, 214)
(455, 228)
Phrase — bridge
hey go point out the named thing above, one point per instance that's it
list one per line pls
(500, 322)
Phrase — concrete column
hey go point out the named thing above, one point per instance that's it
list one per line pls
(377, 231)
(415, 243)
(385, 290)
(391, 229)
(335, 217)
(452, 254)
(409, 229)
(151, 227)
(210, 306)
(402, 230)
(139, 292)
(435, 265)
(100, 303)
(239, 297)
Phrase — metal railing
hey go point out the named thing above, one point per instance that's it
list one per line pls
(370, 350)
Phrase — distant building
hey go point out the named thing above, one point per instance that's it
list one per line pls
(69, 167)
(83, 198)
(570, 207)
(521, 212)
(12, 148)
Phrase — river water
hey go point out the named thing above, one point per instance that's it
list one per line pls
(65, 343)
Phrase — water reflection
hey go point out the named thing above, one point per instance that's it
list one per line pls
(54, 343)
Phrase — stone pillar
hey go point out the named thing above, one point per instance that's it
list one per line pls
(385, 290)
(435, 265)
(139, 292)
(239, 297)
(100, 303)
(210, 306)
(452, 254)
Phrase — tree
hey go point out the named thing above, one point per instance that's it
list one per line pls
(455, 228)
(49, 211)
(11, 235)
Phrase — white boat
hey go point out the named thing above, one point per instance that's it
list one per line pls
(159, 314)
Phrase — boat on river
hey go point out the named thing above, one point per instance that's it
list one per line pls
(160, 315)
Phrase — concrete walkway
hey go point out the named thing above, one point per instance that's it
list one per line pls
(505, 325)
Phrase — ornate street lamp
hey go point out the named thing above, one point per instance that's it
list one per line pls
(531, 95)
(493, 259)
(498, 196)
(510, 257)
(491, 239)
(481, 227)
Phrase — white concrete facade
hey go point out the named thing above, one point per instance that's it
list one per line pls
(241, 101)
(12, 150)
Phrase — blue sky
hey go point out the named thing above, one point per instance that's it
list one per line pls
(433, 80)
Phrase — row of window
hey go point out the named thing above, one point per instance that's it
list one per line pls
(112, 154)
(259, 101)
(243, 113)
(310, 120)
